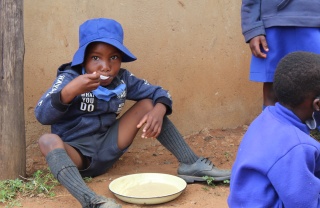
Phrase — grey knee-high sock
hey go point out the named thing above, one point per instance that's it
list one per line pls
(171, 139)
(66, 172)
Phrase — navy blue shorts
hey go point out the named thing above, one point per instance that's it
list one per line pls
(102, 150)
(281, 41)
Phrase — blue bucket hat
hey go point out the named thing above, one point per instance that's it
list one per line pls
(101, 30)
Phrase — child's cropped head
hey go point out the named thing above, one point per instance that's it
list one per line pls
(297, 77)
(101, 30)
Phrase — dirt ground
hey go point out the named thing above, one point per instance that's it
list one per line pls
(148, 155)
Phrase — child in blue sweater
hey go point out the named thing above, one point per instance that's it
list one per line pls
(83, 105)
(278, 162)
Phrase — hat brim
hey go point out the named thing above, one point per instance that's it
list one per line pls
(78, 57)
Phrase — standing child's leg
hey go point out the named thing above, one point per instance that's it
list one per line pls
(66, 172)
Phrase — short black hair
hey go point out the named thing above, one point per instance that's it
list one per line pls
(297, 77)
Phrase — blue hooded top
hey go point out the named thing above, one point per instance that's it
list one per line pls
(87, 114)
(277, 164)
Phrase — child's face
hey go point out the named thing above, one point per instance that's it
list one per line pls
(104, 59)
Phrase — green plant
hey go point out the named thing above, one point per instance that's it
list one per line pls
(41, 183)
(87, 179)
(210, 181)
(227, 155)
(9, 189)
(226, 181)
(315, 134)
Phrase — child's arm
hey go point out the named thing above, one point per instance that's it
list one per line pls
(81, 84)
(255, 45)
(55, 103)
(294, 176)
(251, 22)
(153, 121)
(138, 89)
(253, 28)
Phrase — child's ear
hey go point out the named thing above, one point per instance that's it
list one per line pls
(316, 103)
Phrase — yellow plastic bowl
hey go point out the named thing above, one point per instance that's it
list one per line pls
(147, 188)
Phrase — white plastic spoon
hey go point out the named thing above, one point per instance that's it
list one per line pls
(104, 77)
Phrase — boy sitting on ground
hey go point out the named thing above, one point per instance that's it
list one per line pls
(83, 105)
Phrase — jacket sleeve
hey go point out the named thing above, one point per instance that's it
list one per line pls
(295, 177)
(138, 89)
(251, 22)
(50, 108)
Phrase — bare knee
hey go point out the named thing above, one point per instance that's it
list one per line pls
(49, 142)
(145, 104)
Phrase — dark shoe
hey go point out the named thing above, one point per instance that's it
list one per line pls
(202, 167)
(103, 202)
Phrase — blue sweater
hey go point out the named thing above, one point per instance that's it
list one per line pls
(256, 15)
(277, 164)
(86, 114)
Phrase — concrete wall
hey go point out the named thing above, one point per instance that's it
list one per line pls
(193, 48)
